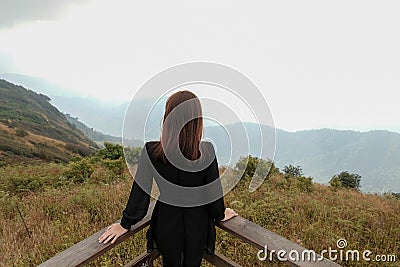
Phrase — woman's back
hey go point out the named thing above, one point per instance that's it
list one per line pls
(175, 230)
(186, 173)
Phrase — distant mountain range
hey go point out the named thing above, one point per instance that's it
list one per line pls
(99, 137)
(375, 155)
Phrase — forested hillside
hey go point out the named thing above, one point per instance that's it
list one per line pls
(375, 155)
(31, 128)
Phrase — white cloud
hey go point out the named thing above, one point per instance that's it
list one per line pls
(20, 11)
(320, 64)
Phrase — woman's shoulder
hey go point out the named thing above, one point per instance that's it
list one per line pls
(150, 144)
(207, 145)
(208, 151)
(206, 148)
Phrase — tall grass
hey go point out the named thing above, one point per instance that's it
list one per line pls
(59, 214)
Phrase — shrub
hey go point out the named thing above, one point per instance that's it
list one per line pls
(305, 184)
(23, 183)
(44, 153)
(80, 149)
(391, 195)
(79, 171)
(116, 166)
(295, 171)
(247, 164)
(396, 195)
(335, 183)
(347, 180)
(21, 133)
(7, 205)
(84, 151)
(29, 177)
(256, 166)
(265, 167)
(111, 151)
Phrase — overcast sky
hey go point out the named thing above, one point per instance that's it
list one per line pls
(320, 64)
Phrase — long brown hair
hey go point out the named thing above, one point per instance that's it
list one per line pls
(191, 133)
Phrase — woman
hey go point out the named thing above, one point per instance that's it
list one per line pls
(182, 233)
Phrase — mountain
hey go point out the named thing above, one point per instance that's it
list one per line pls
(86, 109)
(82, 111)
(321, 153)
(375, 155)
(104, 117)
(30, 127)
(99, 137)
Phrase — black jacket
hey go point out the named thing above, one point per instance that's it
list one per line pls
(181, 234)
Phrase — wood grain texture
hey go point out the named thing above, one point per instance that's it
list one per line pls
(258, 237)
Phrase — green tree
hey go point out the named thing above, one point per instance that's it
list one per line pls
(396, 195)
(295, 171)
(256, 166)
(335, 183)
(117, 166)
(347, 180)
(79, 171)
(305, 184)
(111, 151)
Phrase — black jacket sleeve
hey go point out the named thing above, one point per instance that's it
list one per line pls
(139, 200)
(216, 209)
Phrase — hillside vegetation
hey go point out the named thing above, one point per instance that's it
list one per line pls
(63, 204)
(57, 188)
(72, 102)
(31, 128)
(322, 153)
(375, 155)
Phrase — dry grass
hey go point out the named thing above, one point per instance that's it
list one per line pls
(59, 217)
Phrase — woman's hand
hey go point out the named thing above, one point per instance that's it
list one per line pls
(229, 214)
(112, 233)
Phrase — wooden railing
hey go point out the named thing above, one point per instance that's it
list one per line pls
(89, 249)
